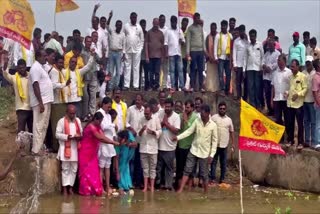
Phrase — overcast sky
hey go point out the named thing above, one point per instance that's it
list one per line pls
(285, 16)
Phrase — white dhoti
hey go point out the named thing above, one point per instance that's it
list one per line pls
(40, 126)
(212, 78)
(132, 63)
(69, 172)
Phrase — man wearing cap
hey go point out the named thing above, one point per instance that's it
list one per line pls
(297, 50)
(308, 105)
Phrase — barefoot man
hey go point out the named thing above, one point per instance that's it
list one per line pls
(69, 132)
(203, 147)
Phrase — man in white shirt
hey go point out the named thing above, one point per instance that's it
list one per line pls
(21, 52)
(54, 44)
(309, 113)
(155, 108)
(41, 97)
(280, 87)
(104, 35)
(94, 21)
(174, 39)
(68, 132)
(306, 42)
(253, 65)
(102, 32)
(133, 47)
(170, 122)
(106, 151)
(97, 45)
(76, 85)
(117, 43)
(134, 114)
(222, 53)
(54, 68)
(149, 131)
(225, 134)
(238, 52)
(60, 93)
(269, 66)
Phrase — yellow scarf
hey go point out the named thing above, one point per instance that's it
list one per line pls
(61, 80)
(124, 112)
(220, 45)
(79, 78)
(19, 86)
(24, 53)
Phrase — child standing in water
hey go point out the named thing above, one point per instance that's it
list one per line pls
(125, 153)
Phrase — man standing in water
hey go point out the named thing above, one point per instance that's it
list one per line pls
(203, 147)
(69, 132)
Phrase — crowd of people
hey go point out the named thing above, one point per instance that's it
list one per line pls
(150, 135)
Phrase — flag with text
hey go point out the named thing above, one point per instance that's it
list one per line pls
(259, 133)
(17, 21)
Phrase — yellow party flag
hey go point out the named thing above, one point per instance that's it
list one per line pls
(17, 21)
(257, 132)
(65, 5)
(187, 8)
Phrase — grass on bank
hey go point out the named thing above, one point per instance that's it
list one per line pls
(6, 101)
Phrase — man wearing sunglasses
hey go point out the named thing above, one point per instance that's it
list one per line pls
(225, 134)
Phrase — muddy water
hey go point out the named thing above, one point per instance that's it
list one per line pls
(256, 200)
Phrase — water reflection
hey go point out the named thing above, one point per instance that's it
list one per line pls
(67, 205)
(262, 200)
(90, 204)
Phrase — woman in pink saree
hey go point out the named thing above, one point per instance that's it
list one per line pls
(89, 172)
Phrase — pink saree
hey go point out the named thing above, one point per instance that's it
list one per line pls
(89, 174)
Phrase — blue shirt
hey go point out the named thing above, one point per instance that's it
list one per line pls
(131, 139)
(297, 52)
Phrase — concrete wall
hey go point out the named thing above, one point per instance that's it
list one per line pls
(296, 170)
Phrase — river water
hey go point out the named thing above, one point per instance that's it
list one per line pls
(256, 200)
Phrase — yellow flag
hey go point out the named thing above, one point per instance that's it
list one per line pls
(187, 8)
(17, 21)
(257, 132)
(65, 5)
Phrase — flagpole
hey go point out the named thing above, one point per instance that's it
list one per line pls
(55, 26)
(241, 195)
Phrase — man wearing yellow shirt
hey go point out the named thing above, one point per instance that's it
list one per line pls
(297, 91)
(203, 147)
(20, 84)
(76, 51)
